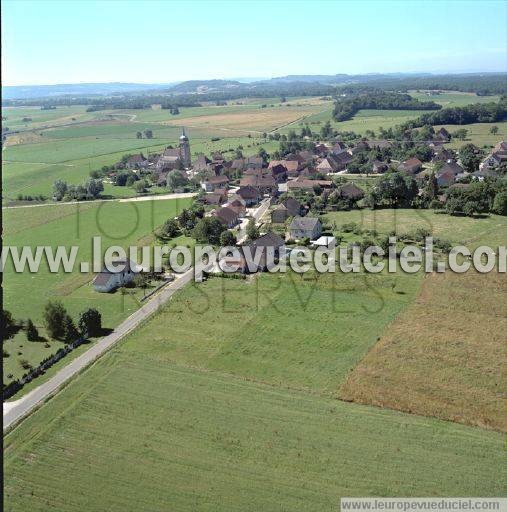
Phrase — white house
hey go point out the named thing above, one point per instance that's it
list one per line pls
(106, 280)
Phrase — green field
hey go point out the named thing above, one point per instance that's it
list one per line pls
(491, 230)
(122, 224)
(454, 98)
(138, 434)
(68, 143)
(226, 399)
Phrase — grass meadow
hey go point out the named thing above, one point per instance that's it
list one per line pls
(227, 398)
(144, 429)
(25, 294)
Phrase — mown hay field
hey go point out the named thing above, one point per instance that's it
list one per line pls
(444, 355)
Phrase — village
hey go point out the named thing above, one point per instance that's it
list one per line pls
(273, 203)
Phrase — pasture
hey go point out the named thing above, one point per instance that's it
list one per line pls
(117, 223)
(265, 329)
(144, 433)
(450, 99)
(491, 230)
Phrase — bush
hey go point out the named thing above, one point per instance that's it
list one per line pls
(54, 316)
(500, 203)
(31, 331)
(349, 227)
(421, 233)
(25, 364)
(442, 245)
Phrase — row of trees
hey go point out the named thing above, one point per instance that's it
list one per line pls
(90, 189)
(468, 114)
(58, 323)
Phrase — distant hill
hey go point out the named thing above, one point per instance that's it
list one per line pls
(192, 86)
(45, 91)
(220, 90)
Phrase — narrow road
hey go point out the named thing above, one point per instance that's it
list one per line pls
(154, 197)
(256, 215)
(16, 410)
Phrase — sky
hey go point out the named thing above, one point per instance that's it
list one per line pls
(48, 42)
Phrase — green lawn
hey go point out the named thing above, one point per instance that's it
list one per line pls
(121, 224)
(139, 433)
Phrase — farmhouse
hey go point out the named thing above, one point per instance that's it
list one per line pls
(292, 167)
(379, 167)
(380, 144)
(227, 216)
(214, 198)
(411, 166)
(136, 162)
(202, 163)
(213, 182)
(249, 194)
(338, 147)
(306, 184)
(351, 192)
(329, 164)
(305, 227)
(254, 162)
(238, 205)
(287, 208)
(443, 135)
(107, 281)
(269, 242)
(264, 183)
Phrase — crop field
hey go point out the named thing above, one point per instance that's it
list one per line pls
(444, 355)
(59, 148)
(197, 439)
(122, 224)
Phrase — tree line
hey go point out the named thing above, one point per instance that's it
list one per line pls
(347, 107)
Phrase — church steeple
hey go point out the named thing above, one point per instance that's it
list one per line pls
(185, 149)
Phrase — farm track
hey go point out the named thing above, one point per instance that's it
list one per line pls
(154, 197)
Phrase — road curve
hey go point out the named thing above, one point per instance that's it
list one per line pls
(16, 410)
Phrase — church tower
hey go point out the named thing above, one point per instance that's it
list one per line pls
(185, 149)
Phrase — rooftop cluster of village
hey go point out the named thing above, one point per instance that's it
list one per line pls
(273, 202)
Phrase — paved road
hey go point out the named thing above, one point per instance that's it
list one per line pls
(256, 215)
(17, 409)
(154, 197)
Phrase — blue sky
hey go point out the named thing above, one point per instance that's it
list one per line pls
(46, 42)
